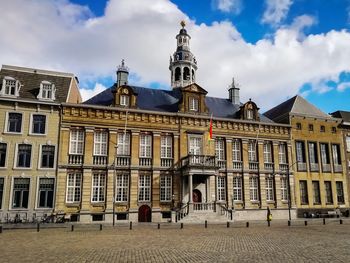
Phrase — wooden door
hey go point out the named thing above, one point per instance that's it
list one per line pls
(145, 214)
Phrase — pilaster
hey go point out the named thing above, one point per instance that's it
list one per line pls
(89, 146)
(135, 143)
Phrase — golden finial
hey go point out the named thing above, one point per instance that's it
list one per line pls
(183, 23)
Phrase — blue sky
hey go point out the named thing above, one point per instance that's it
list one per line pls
(274, 48)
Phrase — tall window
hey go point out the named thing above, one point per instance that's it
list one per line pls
(20, 192)
(340, 192)
(24, 155)
(336, 154)
(253, 188)
(165, 188)
(38, 124)
(47, 156)
(269, 188)
(47, 91)
(1, 191)
(268, 152)
(282, 153)
(145, 146)
(284, 188)
(144, 188)
(123, 144)
(316, 190)
(193, 104)
(236, 150)
(237, 189)
(195, 145)
(250, 114)
(313, 156)
(124, 100)
(220, 149)
(76, 145)
(348, 143)
(98, 187)
(303, 192)
(324, 153)
(3, 150)
(166, 146)
(221, 183)
(14, 123)
(100, 143)
(300, 147)
(74, 187)
(46, 192)
(328, 188)
(122, 188)
(252, 155)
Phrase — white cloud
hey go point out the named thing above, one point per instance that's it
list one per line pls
(276, 11)
(143, 32)
(343, 86)
(228, 6)
(87, 93)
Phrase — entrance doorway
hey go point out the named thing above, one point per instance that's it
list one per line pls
(145, 213)
(197, 196)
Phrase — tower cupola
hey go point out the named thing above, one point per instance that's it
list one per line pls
(183, 64)
(122, 74)
(233, 91)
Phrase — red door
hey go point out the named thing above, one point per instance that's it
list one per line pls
(145, 214)
(197, 196)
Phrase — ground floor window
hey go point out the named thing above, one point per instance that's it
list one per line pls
(221, 183)
(46, 192)
(303, 192)
(328, 188)
(74, 187)
(284, 189)
(253, 188)
(20, 192)
(165, 188)
(237, 188)
(98, 187)
(340, 193)
(1, 191)
(144, 188)
(122, 188)
(269, 188)
(316, 194)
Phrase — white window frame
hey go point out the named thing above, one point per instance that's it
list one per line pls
(6, 155)
(98, 187)
(145, 146)
(268, 152)
(220, 149)
(166, 146)
(221, 188)
(44, 85)
(17, 87)
(300, 151)
(75, 187)
(123, 144)
(284, 188)
(236, 150)
(31, 124)
(252, 151)
(12, 193)
(100, 143)
(144, 188)
(198, 148)
(237, 189)
(254, 188)
(269, 189)
(122, 188)
(37, 201)
(78, 141)
(348, 143)
(124, 100)
(16, 157)
(6, 130)
(193, 104)
(40, 157)
(165, 185)
(250, 114)
(282, 153)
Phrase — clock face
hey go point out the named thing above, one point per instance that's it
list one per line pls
(125, 91)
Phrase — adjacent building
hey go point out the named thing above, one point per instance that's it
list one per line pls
(29, 131)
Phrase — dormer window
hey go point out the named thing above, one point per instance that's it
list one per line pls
(124, 100)
(10, 87)
(250, 114)
(193, 104)
(47, 91)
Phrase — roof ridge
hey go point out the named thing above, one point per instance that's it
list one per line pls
(38, 71)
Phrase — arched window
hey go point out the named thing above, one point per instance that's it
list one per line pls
(177, 74)
(186, 74)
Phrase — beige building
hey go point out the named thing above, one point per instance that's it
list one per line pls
(29, 131)
(319, 159)
(140, 154)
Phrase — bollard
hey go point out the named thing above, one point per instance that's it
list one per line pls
(268, 223)
(247, 224)
(72, 228)
(182, 225)
(305, 222)
(37, 227)
(0, 229)
(100, 227)
(206, 224)
(158, 226)
(228, 224)
(288, 222)
(130, 226)
(341, 221)
(324, 221)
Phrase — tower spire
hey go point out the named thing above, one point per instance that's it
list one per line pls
(233, 91)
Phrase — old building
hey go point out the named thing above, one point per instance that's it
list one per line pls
(29, 126)
(140, 153)
(318, 156)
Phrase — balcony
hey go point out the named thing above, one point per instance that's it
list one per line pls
(254, 166)
(237, 166)
(301, 166)
(284, 167)
(145, 162)
(99, 160)
(221, 164)
(326, 168)
(269, 166)
(122, 161)
(166, 162)
(338, 168)
(75, 159)
(314, 167)
(199, 161)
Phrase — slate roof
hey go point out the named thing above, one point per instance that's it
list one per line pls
(344, 115)
(30, 80)
(168, 101)
(296, 105)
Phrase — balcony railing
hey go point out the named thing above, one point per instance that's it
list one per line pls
(326, 168)
(122, 161)
(314, 167)
(166, 162)
(75, 159)
(203, 161)
(237, 165)
(301, 166)
(145, 161)
(99, 160)
(284, 167)
(268, 166)
(254, 166)
(338, 168)
(221, 164)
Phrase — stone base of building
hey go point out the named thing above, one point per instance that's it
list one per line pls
(261, 214)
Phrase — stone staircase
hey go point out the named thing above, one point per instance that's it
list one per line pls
(199, 217)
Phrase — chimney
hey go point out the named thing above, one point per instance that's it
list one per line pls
(234, 92)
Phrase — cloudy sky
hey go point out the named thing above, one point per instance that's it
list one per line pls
(274, 48)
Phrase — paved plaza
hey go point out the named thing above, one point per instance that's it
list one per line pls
(193, 243)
